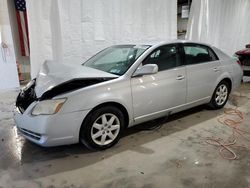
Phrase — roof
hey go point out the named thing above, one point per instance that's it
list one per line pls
(158, 43)
(155, 44)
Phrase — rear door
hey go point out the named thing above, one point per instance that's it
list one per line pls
(203, 70)
(154, 94)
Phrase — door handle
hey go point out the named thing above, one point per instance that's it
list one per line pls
(180, 77)
(216, 69)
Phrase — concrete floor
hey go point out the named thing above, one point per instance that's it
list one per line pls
(172, 155)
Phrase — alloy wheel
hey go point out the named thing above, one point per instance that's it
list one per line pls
(221, 94)
(105, 129)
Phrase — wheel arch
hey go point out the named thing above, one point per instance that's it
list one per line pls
(229, 81)
(212, 102)
(225, 76)
(115, 104)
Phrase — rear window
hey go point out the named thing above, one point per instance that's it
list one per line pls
(195, 54)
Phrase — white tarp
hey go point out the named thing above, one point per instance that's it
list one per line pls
(8, 69)
(222, 23)
(76, 29)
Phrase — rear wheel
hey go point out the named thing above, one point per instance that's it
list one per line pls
(220, 96)
(102, 128)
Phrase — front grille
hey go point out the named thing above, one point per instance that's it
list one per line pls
(26, 96)
(31, 134)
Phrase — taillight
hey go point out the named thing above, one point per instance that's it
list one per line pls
(238, 61)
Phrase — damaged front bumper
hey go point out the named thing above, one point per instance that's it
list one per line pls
(50, 130)
(61, 128)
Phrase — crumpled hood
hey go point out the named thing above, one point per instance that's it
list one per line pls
(53, 74)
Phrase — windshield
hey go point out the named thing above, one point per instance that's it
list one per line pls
(116, 59)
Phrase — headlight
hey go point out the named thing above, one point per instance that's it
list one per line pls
(48, 107)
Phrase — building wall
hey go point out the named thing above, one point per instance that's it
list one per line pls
(8, 69)
(76, 29)
(224, 24)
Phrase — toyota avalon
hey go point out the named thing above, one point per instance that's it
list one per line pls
(121, 86)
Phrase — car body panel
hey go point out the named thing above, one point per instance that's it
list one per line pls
(58, 129)
(117, 91)
(196, 74)
(149, 85)
(55, 73)
(144, 98)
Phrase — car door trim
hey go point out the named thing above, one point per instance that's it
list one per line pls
(170, 109)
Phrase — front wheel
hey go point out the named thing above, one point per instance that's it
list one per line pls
(220, 96)
(102, 128)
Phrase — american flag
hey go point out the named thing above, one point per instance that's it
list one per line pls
(22, 24)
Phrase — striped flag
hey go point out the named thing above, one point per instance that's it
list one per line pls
(22, 24)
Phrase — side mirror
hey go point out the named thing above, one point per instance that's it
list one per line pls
(248, 46)
(146, 70)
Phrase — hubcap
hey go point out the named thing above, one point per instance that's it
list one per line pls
(221, 94)
(105, 129)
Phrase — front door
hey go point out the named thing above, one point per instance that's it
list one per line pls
(154, 94)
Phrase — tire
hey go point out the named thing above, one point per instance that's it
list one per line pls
(102, 128)
(220, 95)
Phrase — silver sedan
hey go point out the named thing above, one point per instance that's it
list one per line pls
(121, 86)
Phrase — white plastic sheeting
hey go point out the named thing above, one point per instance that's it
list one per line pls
(8, 68)
(222, 23)
(76, 29)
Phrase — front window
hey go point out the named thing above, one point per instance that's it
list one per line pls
(166, 57)
(116, 59)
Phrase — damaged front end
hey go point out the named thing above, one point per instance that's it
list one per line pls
(28, 95)
(71, 85)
